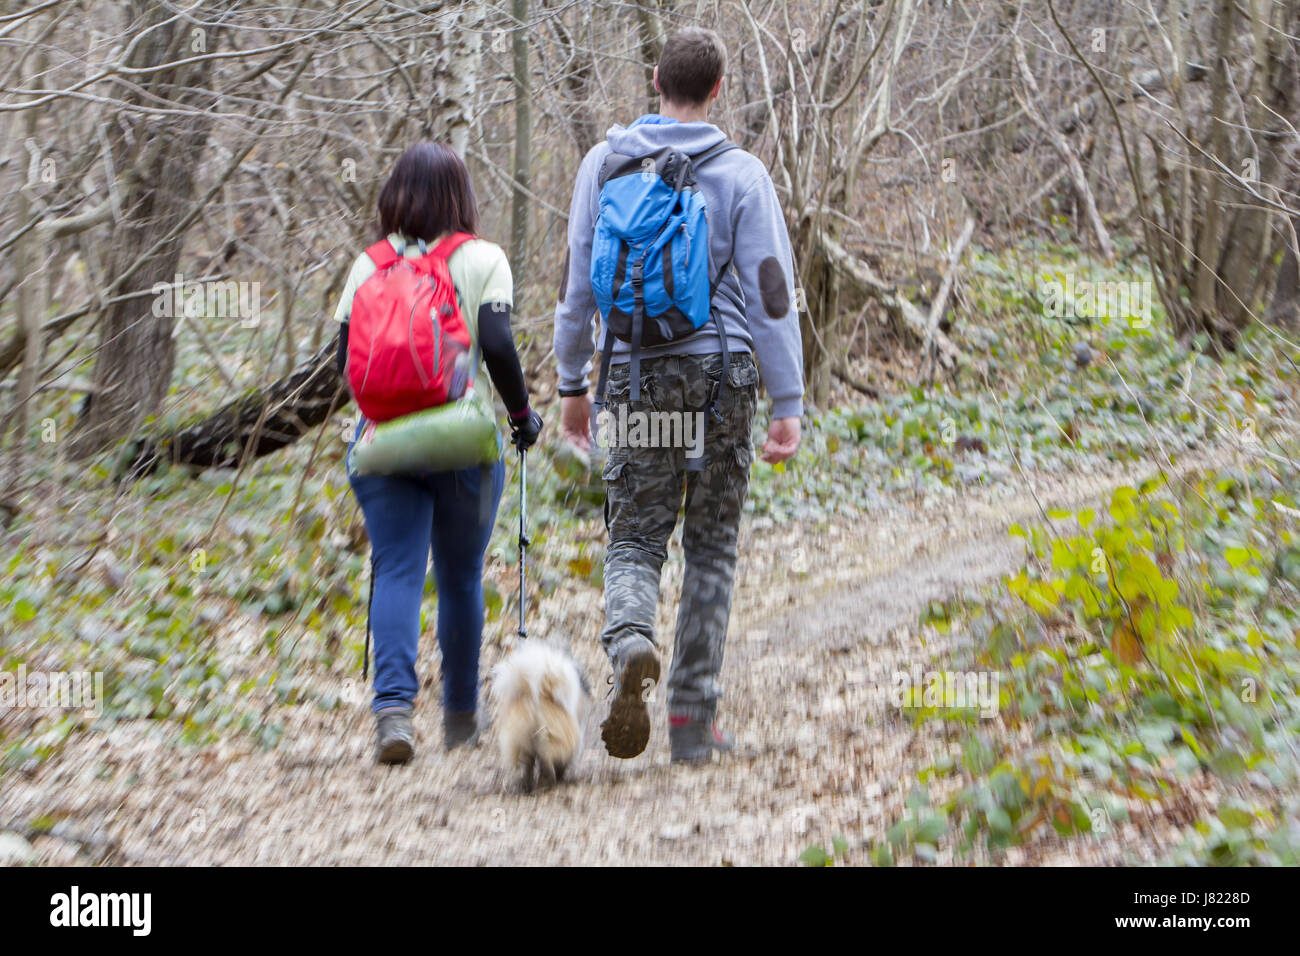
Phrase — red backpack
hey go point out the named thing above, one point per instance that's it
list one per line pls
(405, 332)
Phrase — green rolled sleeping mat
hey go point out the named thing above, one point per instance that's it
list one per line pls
(444, 438)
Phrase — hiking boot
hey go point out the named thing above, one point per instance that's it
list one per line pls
(395, 735)
(626, 730)
(693, 740)
(459, 730)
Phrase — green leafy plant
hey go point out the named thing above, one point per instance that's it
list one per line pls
(817, 855)
(1145, 647)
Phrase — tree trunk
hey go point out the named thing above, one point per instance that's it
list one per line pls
(30, 314)
(1204, 286)
(1285, 308)
(523, 144)
(820, 283)
(579, 85)
(1078, 178)
(1252, 240)
(650, 34)
(457, 75)
(133, 363)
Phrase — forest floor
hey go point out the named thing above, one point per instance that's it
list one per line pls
(822, 752)
(1147, 709)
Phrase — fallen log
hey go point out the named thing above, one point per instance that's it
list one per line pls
(897, 305)
(940, 303)
(255, 424)
(842, 374)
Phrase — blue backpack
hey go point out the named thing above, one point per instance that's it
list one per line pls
(650, 255)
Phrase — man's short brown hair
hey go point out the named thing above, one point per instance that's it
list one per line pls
(691, 65)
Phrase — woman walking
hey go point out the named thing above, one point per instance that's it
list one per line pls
(428, 197)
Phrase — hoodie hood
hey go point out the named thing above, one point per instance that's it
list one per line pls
(652, 132)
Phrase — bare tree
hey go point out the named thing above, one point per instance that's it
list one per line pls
(245, 144)
(1217, 233)
(523, 138)
(135, 354)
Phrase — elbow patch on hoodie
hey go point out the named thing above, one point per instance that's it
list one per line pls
(772, 288)
(564, 277)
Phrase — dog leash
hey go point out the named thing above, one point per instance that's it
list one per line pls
(370, 604)
(523, 537)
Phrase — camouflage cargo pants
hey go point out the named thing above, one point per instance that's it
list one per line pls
(648, 485)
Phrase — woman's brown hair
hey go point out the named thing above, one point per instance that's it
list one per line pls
(428, 195)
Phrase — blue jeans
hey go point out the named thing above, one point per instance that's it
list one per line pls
(452, 511)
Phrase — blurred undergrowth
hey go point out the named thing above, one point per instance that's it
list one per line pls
(1145, 654)
(1148, 655)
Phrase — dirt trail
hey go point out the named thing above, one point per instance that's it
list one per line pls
(815, 637)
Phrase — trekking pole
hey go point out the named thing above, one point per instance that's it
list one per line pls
(523, 538)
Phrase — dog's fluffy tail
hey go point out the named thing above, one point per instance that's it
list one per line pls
(557, 724)
(537, 691)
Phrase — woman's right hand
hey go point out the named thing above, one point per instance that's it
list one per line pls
(524, 433)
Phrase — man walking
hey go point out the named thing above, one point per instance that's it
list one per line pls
(750, 291)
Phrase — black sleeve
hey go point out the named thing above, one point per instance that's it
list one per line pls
(343, 349)
(498, 346)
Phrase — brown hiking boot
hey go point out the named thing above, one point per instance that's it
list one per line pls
(395, 735)
(626, 730)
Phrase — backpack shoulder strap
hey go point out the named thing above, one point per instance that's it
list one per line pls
(725, 146)
(616, 164)
(602, 173)
(699, 159)
(713, 285)
(382, 254)
(444, 249)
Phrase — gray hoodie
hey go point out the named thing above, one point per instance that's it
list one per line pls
(756, 298)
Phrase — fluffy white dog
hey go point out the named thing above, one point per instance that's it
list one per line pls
(539, 696)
